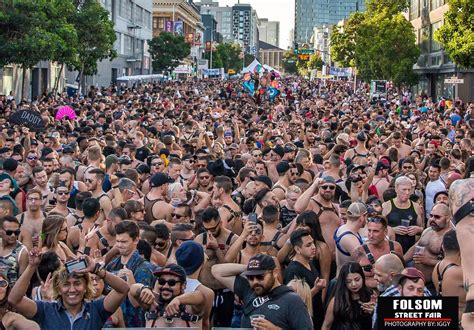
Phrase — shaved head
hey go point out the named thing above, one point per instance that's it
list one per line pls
(390, 263)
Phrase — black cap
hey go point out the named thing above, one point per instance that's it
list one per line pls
(143, 168)
(188, 156)
(67, 149)
(259, 264)
(263, 178)
(282, 167)
(34, 142)
(172, 269)
(10, 164)
(279, 150)
(159, 179)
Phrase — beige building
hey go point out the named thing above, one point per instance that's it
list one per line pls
(434, 65)
(271, 55)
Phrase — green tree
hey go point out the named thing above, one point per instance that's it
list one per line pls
(457, 34)
(32, 31)
(343, 40)
(227, 56)
(289, 61)
(315, 62)
(167, 50)
(96, 37)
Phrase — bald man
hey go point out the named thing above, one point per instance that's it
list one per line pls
(427, 251)
(385, 269)
(461, 200)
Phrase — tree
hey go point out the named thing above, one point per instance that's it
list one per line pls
(33, 30)
(229, 56)
(380, 42)
(96, 37)
(167, 50)
(315, 62)
(457, 35)
(289, 61)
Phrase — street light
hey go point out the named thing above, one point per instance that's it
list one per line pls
(212, 33)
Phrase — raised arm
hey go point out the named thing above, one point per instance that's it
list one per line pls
(226, 273)
(303, 201)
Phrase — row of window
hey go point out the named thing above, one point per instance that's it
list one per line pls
(426, 39)
(418, 6)
(128, 46)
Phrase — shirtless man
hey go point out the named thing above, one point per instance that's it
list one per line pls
(461, 195)
(229, 212)
(156, 208)
(403, 149)
(447, 274)
(91, 208)
(427, 250)
(40, 178)
(62, 197)
(252, 236)
(165, 303)
(216, 241)
(323, 206)
(287, 174)
(31, 221)
(94, 160)
(347, 237)
(94, 179)
(377, 245)
(359, 154)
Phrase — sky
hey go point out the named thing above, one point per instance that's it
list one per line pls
(275, 10)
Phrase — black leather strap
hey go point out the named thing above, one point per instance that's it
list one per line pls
(469, 306)
(463, 211)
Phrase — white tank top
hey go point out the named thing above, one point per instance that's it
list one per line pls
(191, 285)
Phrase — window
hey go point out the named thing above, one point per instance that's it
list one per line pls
(155, 23)
(414, 9)
(425, 40)
(128, 45)
(139, 16)
(118, 42)
(437, 3)
(7, 80)
(121, 7)
(435, 46)
(128, 9)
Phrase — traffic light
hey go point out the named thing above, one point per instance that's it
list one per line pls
(296, 49)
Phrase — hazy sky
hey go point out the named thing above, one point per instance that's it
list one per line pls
(275, 10)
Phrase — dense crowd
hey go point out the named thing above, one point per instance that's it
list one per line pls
(194, 204)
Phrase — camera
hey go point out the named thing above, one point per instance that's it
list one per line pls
(253, 217)
(75, 265)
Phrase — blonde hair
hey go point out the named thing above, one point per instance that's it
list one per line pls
(303, 290)
(51, 227)
(60, 278)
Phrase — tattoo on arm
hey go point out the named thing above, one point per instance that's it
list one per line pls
(467, 285)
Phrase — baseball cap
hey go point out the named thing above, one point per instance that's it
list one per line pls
(34, 142)
(190, 256)
(356, 210)
(329, 179)
(234, 146)
(188, 156)
(172, 269)
(263, 178)
(409, 272)
(159, 179)
(10, 164)
(259, 264)
(282, 167)
(279, 151)
(143, 168)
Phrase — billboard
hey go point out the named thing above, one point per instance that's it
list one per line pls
(169, 26)
(179, 28)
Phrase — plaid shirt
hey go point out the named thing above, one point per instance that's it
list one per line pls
(392, 291)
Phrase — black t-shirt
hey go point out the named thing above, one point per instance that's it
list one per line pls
(286, 216)
(296, 270)
(282, 306)
(142, 153)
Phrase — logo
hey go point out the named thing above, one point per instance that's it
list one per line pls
(273, 306)
(397, 313)
(259, 301)
(253, 264)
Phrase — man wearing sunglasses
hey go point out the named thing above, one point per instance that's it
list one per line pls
(266, 302)
(13, 254)
(168, 306)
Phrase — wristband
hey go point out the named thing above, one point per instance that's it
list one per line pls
(139, 291)
(97, 268)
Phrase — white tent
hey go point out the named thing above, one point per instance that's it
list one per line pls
(251, 67)
(269, 68)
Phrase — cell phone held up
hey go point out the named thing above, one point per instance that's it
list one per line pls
(252, 217)
(75, 265)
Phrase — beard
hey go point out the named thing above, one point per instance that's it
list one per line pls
(381, 287)
(435, 226)
(262, 289)
(166, 299)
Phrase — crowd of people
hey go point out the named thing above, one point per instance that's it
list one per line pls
(194, 204)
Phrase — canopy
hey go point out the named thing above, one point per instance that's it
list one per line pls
(149, 77)
(251, 67)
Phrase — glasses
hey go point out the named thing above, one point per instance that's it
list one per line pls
(62, 193)
(178, 216)
(32, 158)
(257, 231)
(88, 180)
(212, 228)
(435, 216)
(328, 187)
(407, 167)
(160, 244)
(204, 177)
(3, 284)
(171, 283)
(157, 164)
(190, 160)
(367, 268)
(257, 154)
(13, 232)
(375, 220)
(259, 277)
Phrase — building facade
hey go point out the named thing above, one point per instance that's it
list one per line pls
(222, 15)
(311, 13)
(269, 31)
(321, 40)
(271, 55)
(434, 65)
(245, 27)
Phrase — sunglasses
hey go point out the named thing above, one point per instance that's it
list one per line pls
(157, 164)
(160, 244)
(204, 177)
(259, 277)
(407, 167)
(3, 284)
(212, 228)
(88, 180)
(178, 216)
(32, 158)
(375, 220)
(435, 216)
(171, 283)
(62, 193)
(328, 187)
(13, 232)
(367, 268)
(257, 155)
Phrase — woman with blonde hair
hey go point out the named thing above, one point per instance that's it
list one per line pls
(53, 235)
(303, 290)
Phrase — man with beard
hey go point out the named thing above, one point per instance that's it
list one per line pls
(261, 293)
(216, 241)
(427, 251)
(94, 179)
(323, 206)
(13, 254)
(187, 171)
(168, 305)
(247, 245)
(287, 174)
(302, 267)
(156, 208)
(31, 221)
(104, 239)
(203, 181)
(287, 206)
